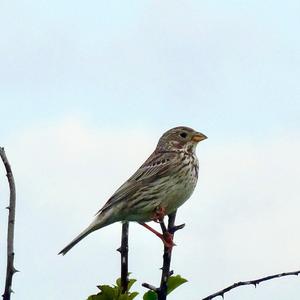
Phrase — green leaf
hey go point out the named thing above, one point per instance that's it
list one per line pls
(174, 282)
(118, 282)
(130, 283)
(97, 297)
(107, 291)
(150, 295)
(132, 295)
(123, 297)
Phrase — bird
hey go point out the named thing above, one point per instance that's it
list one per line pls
(161, 184)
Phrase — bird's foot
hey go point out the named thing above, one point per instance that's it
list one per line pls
(166, 237)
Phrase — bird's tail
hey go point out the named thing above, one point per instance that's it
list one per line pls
(94, 226)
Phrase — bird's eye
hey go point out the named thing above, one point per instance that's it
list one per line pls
(183, 134)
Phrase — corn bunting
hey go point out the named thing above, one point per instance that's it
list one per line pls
(162, 184)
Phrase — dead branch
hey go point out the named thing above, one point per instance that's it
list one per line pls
(10, 269)
(254, 282)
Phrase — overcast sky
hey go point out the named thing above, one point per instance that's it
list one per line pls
(86, 90)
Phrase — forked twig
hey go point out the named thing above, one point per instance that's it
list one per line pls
(166, 273)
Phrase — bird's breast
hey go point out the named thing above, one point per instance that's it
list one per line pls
(182, 183)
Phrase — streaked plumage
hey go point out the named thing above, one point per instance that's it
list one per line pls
(166, 180)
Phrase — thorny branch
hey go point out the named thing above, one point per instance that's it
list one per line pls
(166, 273)
(10, 269)
(254, 282)
(124, 257)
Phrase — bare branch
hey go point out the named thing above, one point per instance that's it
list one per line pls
(10, 269)
(124, 257)
(254, 282)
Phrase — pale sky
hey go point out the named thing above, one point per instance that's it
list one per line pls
(86, 90)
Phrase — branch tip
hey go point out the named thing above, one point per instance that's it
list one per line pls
(175, 228)
(254, 282)
(150, 287)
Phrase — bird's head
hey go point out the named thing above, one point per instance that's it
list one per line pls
(180, 138)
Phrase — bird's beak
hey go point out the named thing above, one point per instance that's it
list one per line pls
(197, 137)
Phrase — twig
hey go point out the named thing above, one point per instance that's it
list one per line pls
(150, 287)
(166, 273)
(254, 282)
(124, 257)
(10, 269)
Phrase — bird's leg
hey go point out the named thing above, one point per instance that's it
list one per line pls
(159, 214)
(166, 237)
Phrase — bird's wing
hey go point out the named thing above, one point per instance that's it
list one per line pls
(156, 166)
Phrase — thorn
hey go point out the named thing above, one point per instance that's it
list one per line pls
(7, 207)
(175, 228)
(222, 295)
(171, 273)
(15, 270)
(119, 249)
